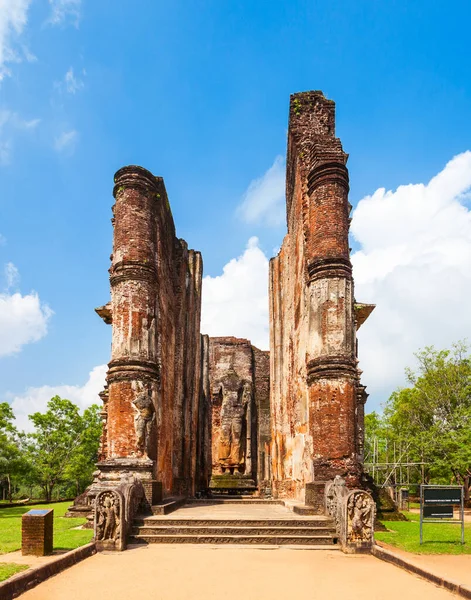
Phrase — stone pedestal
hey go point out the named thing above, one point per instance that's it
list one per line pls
(37, 532)
(236, 483)
(315, 493)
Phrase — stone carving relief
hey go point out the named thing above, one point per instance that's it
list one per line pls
(353, 513)
(104, 396)
(360, 517)
(108, 521)
(232, 443)
(334, 493)
(143, 421)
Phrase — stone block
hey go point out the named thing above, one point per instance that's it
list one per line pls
(37, 532)
(314, 498)
(153, 491)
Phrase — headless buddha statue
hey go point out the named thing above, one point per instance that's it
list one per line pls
(232, 442)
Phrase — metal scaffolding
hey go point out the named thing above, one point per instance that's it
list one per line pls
(395, 470)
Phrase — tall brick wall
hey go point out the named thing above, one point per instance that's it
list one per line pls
(316, 400)
(156, 344)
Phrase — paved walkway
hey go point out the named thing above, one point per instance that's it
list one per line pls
(179, 572)
(454, 567)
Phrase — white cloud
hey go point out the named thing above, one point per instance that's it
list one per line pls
(12, 275)
(414, 263)
(23, 320)
(5, 152)
(264, 200)
(13, 19)
(28, 55)
(10, 124)
(13, 119)
(72, 83)
(35, 399)
(65, 142)
(64, 10)
(236, 302)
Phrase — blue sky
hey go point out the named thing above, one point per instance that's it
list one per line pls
(198, 93)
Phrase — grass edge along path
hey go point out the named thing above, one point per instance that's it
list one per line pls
(9, 569)
(439, 538)
(66, 537)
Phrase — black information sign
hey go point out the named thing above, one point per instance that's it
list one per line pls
(444, 495)
(438, 512)
(436, 503)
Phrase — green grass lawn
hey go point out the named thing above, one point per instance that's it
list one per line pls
(9, 569)
(439, 538)
(65, 537)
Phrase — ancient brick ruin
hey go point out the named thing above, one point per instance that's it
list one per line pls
(186, 415)
(154, 377)
(316, 396)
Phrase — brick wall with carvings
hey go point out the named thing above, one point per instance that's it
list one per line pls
(154, 392)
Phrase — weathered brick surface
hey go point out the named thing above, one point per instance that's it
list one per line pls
(37, 532)
(156, 344)
(315, 418)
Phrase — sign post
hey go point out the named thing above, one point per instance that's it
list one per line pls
(436, 505)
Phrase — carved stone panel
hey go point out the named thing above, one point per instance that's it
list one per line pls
(109, 520)
(360, 515)
(143, 421)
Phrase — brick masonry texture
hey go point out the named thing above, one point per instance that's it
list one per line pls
(37, 533)
(316, 421)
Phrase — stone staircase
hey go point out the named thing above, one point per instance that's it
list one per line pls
(313, 532)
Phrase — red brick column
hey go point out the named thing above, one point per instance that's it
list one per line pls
(332, 366)
(133, 368)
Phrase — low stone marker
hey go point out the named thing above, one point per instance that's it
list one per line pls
(36, 532)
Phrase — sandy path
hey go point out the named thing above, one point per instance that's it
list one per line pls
(177, 572)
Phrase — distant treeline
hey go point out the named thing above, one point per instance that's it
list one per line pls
(56, 460)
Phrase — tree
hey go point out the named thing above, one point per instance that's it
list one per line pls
(12, 461)
(82, 463)
(63, 443)
(433, 416)
(374, 429)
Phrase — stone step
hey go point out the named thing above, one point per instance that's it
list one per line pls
(164, 522)
(305, 510)
(232, 500)
(168, 505)
(226, 530)
(326, 541)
